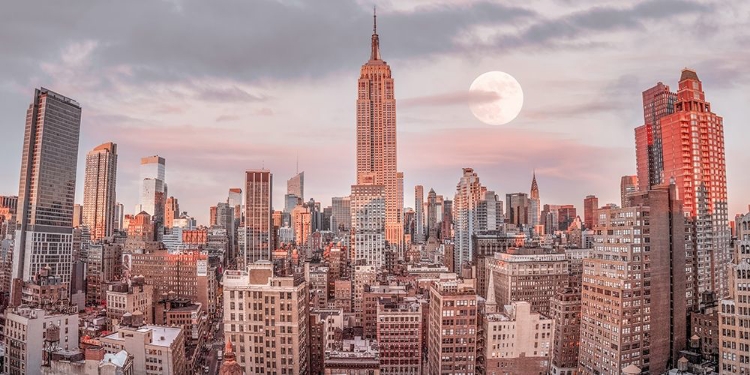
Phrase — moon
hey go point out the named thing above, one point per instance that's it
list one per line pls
(495, 98)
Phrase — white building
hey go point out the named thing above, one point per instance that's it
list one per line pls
(368, 224)
(155, 349)
(25, 332)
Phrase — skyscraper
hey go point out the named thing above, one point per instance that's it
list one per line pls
(376, 137)
(590, 204)
(119, 217)
(518, 205)
(296, 185)
(47, 187)
(99, 190)
(694, 130)
(468, 193)
(534, 203)
(687, 142)
(418, 214)
(658, 102)
(628, 185)
(153, 187)
(171, 211)
(633, 294)
(432, 214)
(258, 229)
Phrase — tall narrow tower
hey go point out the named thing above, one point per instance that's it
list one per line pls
(99, 190)
(535, 204)
(47, 187)
(376, 137)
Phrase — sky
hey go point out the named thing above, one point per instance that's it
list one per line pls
(220, 87)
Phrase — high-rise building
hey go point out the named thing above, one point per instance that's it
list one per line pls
(518, 206)
(693, 129)
(432, 214)
(633, 308)
(527, 275)
(367, 229)
(628, 185)
(341, 214)
(99, 190)
(452, 338)
(186, 274)
(418, 214)
(153, 187)
(266, 318)
(734, 329)
(468, 193)
(258, 209)
(565, 311)
(590, 205)
(687, 140)
(119, 217)
(296, 185)
(446, 228)
(103, 264)
(171, 212)
(376, 138)
(658, 102)
(399, 334)
(486, 244)
(490, 212)
(47, 187)
(534, 203)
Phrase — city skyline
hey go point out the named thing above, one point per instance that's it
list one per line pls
(197, 119)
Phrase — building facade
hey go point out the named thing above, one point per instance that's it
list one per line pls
(46, 190)
(258, 210)
(99, 191)
(376, 138)
(266, 319)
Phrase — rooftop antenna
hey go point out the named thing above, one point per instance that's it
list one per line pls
(374, 19)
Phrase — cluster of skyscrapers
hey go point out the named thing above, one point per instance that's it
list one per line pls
(466, 283)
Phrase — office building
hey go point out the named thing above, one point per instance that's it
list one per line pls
(534, 203)
(47, 187)
(266, 320)
(565, 311)
(468, 193)
(376, 138)
(633, 308)
(452, 338)
(518, 206)
(296, 186)
(99, 191)
(153, 187)
(258, 209)
(399, 334)
(418, 214)
(528, 275)
(590, 205)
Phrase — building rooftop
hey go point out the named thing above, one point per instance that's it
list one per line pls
(160, 336)
(118, 359)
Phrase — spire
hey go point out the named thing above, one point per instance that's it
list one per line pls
(375, 53)
(534, 187)
(490, 306)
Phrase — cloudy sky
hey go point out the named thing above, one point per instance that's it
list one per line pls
(223, 86)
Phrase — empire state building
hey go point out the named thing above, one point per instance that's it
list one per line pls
(376, 138)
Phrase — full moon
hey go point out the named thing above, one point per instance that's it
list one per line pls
(495, 98)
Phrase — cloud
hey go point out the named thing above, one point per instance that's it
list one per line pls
(591, 23)
(451, 98)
